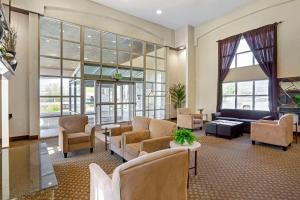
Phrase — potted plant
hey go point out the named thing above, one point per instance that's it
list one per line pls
(177, 93)
(117, 76)
(184, 137)
(297, 99)
(9, 45)
(201, 110)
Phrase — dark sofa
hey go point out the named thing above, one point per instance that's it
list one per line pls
(246, 116)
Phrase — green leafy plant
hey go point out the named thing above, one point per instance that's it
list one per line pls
(117, 76)
(297, 99)
(183, 136)
(177, 93)
(10, 40)
(201, 110)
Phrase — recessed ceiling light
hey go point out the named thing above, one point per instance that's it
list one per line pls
(89, 36)
(158, 12)
(114, 41)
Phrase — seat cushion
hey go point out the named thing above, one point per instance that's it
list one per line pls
(116, 141)
(75, 138)
(133, 149)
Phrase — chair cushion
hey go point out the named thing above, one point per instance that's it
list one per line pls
(197, 121)
(75, 138)
(116, 141)
(133, 149)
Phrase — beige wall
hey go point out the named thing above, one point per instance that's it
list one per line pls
(255, 15)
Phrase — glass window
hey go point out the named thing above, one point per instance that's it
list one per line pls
(262, 103)
(150, 75)
(161, 77)
(161, 51)
(49, 126)
(160, 103)
(150, 62)
(228, 89)
(71, 50)
(107, 72)
(49, 27)
(228, 102)
(139, 94)
(71, 32)
(50, 106)
(138, 75)
(91, 53)
(150, 102)
(109, 40)
(89, 97)
(49, 47)
(107, 93)
(160, 114)
(244, 59)
(71, 68)
(124, 58)
(125, 73)
(109, 56)
(137, 47)
(138, 61)
(261, 87)
(107, 114)
(243, 46)
(124, 44)
(150, 51)
(92, 37)
(245, 88)
(49, 66)
(245, 102)
(93, 70)
(161, 64)
(49, 86)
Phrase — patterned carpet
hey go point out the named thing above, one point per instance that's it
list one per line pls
(227, 169)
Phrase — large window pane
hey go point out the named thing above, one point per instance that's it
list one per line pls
(262, 103)
(233, 63)
(92, 37)
(91, 54)
(160, 114)
(150, 89)
(243, 46)
(49, 47)
(137, 47)
(160, 103)
(126, 74)
(228, 102)
(71, 68)
(150, 102)
(107, 93)
(92, 70)
(109, 40)
(245, 103)
(139, 93)
(150, 51)
(71, 50)
(71, 87)
(49, 86)
(89, 97)
(109, 56)
(150, 62)
(161, 64)
(138, 75)
(138, 61)
(49, 106)
(261, 87)
(49, 126)
(244, 59)
(150, 75)
(124, 58)
(49, 27)
(107, 72)
(245, 88)
(49, 66)
(107, 114)
(71, 32)
(124, 44)
(160, 77)
(160, 51)
(124, 112)
(228, 88)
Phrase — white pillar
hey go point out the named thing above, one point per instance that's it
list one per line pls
(4, 112)
(5, 174)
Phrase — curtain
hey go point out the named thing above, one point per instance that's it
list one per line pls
(227, 49)
(263, 44)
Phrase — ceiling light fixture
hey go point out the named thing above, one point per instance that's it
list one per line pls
(158, 12)
(89, 36)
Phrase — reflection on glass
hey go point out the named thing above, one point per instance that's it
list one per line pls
(124, 58)
(124, 44)
(49, 47)
(92, 37)
(49, 86)
(137, 47)
(71, 32)
(92, 70)
(109, 40)
(244, 102)
(71, 50)
(49, 106)
(91, 53)
(49, 66)
(71, 68)
(49, 27)
(109, 56)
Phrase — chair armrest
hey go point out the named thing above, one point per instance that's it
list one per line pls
(267, 121)
(119, 130)
(215, 115)
(156, 144)
(100, 183)
(63, 139)
(135, 136)
(89, 129)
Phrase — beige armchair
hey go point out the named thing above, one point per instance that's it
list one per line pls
(160, 175)
(116, 143)
(75, 133)
(273, 132)
(185, 119)
(156, 138)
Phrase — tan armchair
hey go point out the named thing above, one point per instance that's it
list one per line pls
(160, 175)
(116, 143)
(75, 133)
(156, 138)
(273, 132)
(185, 119)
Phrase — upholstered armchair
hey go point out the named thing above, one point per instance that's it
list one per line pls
(186, 119)
(116, 143)
(160, 175)
(273, 132)
(75, 133)
(156, 138)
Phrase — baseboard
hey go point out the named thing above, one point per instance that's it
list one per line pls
(23, 137)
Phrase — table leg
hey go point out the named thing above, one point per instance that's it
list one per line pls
(188, 181)
(296, 133)
(106, 133)
(196, 161)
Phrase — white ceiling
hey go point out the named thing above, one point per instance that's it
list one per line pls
(175, 13)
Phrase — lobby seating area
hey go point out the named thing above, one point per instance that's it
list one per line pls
(149, 100)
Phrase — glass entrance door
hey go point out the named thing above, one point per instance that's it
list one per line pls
(115, 103)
